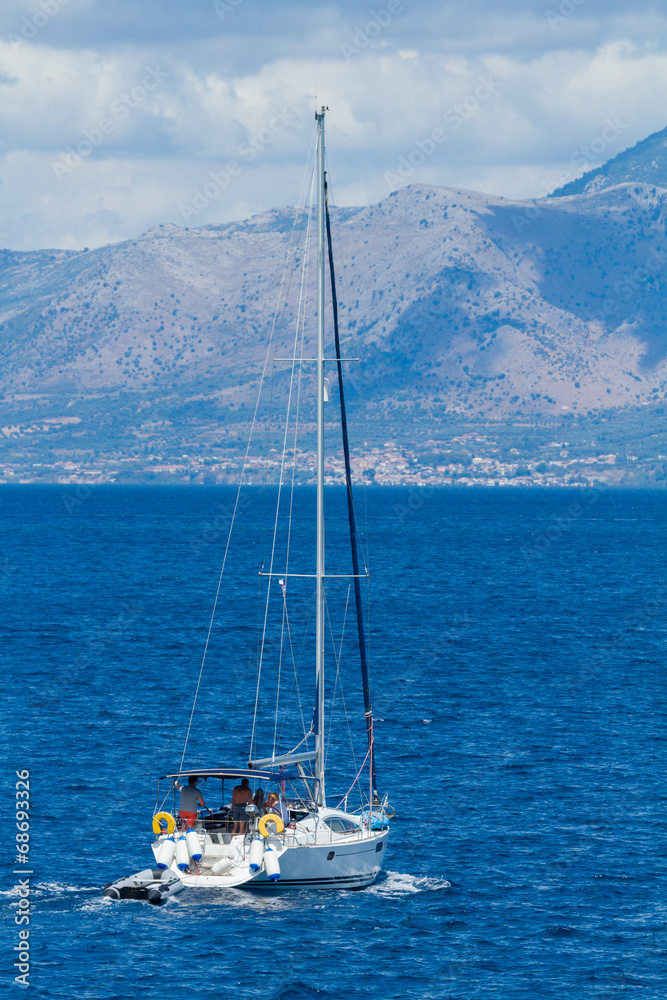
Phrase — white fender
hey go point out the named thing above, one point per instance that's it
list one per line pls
(271, 864)
(256, 854)
(194, 847)
(165, 855)
(222, 866)
(182, 855)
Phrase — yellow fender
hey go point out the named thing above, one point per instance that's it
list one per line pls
(166, 818)
(270, 818)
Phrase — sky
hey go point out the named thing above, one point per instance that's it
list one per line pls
(120, 115)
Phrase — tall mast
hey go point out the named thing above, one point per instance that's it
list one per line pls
(319, 624)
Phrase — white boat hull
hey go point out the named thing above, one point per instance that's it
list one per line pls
(345, 863)
(354, 866)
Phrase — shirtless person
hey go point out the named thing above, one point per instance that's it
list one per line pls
(241, 797)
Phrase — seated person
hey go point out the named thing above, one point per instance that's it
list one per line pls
(190, 797)
(276, 805)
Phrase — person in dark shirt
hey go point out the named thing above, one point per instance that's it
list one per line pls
(190, 798)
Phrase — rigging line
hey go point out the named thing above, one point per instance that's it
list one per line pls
(282, 470)
(336, 226)
(295, 680)
(301, 215)
(280, 666)
(305, 218)
(338, 682)
(356, 537)
(342, 692)
(291, 496)
(238, 495)
(261, 642)
(342, 696)
(359, 772)
(301, 742)
(161, 806)
(368, 707)
(264, 501)
(337, 661)
(289, 697)
(362, 537)
(300, 322)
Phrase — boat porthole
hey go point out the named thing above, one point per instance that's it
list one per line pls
(378, 847)
(331, 855)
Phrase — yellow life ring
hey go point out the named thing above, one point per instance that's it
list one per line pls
(270, 818)
(166, 818)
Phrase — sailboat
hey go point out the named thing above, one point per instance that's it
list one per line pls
(304, 839)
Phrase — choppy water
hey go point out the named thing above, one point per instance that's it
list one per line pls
(518, 659)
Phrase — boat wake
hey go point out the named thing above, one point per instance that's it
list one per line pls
(50, 889)
(399, 884)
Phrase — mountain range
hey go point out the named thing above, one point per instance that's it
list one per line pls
(469, 311)
(644, 163)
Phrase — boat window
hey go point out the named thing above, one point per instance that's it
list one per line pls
(340, 825)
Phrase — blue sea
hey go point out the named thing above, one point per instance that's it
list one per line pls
(517, 644)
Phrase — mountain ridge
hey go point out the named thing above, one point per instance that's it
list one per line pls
(468, 308)
(645, 163)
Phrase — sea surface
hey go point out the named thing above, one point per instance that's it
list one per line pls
(517, 642)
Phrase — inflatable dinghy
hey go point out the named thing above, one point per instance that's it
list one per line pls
(153, 884)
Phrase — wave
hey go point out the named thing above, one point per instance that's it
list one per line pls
(48, 888)
(400, 884)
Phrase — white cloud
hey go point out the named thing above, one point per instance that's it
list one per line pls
(548, 93)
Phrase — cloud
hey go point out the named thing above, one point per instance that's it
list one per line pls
(114, 113)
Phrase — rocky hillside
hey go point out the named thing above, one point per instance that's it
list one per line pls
(644, 163)
(463, 306)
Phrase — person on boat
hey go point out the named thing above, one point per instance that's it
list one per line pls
(241, 797)
(191, 797)
(276, 805)
(258, 799)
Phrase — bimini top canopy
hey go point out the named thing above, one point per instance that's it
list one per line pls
(234, 772)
